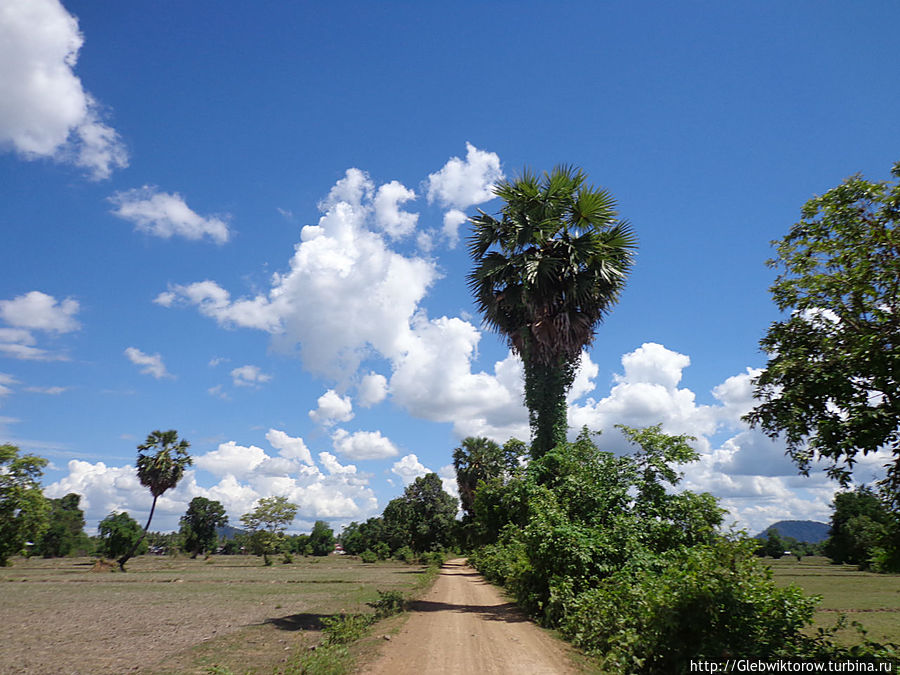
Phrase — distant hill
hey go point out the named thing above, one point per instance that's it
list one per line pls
(229, 532)
(801, 530)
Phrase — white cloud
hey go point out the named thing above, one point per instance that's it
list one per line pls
(363, 445)
(452, 220)
(151, 364)
(51, 391)
(44, 109)
(231, 459)
(332, 408)
(38, 311)
(289, 447)
(219, 392)
(372, 390)
(388, 216)
(5, 381)
(346, 295)
(464, 183)
(333, 466)
(409, 468)
(249, 376)
(165, 215)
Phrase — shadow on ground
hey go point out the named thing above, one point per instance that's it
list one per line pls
(507, 612)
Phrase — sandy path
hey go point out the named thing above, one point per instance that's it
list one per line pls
(464, 625)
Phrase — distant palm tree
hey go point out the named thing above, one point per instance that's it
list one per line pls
(546, 273)
(159, 471)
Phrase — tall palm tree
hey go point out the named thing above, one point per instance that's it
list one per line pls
(159, 471)
(547, 271)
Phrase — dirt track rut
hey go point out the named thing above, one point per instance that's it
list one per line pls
(464, 625)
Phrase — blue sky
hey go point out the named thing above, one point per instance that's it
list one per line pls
(244, 222)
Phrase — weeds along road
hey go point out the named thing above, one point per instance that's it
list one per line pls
(464, 625)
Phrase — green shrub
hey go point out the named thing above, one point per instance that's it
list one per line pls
(368, 556)
(433, 558)
(382, 550)
(388, 604)
(286, 558)
(345, 628)
(405, 553)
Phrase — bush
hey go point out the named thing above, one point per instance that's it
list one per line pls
(368, 556)
(602, 548)
(433, 558)
(405, 553)
(345, 628)
(286, 558)
(388, 604)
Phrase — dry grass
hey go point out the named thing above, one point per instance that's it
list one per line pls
(178, 615)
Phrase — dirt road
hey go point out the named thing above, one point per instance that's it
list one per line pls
(464, 625)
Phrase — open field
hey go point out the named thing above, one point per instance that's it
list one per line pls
(178, 615)
(871, 599)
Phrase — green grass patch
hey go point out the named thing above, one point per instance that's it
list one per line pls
(872, 600)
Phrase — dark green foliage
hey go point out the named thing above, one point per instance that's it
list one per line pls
(388, 604)
(357, 537)
(831, 387)
(546, 273)
(24, 510)
(406, 554)
(423, 519)
(121, 534)
(864, 531)
(480, 459)
(65, 533)
(773, 545)
(321, 539)
(603, 549)
(368, 556)
(199, 523)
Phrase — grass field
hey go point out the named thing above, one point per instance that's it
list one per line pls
(178, 615)
(873, 600)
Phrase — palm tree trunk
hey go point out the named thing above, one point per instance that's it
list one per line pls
(124, 559)
(546, 386)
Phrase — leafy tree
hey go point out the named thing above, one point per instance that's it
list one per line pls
(546, 273)
(831, 386)
(199, 523)
(863, 531)
(66, 528)
(121, 534)
(423, 518)
(480, 459)
(773, 545)
(23, 508)
(161, 461)
(267, 523)
(321, 539)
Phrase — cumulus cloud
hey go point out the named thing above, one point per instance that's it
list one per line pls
(388, 216)
(333, 466)
(289, 447)
(464, 183)
(363, 445)
(45, 111)
(151, 364)
(38, 311)
(332, 408)
(452, 220)
(409, 468)
(347, 294)
(249, 376)
(165, 215)
(372, 390)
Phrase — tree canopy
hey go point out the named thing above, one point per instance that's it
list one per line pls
(546, 272)
(23, 508)
(120, 534)
(831, 387)
(267, 523)
(199, 523)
